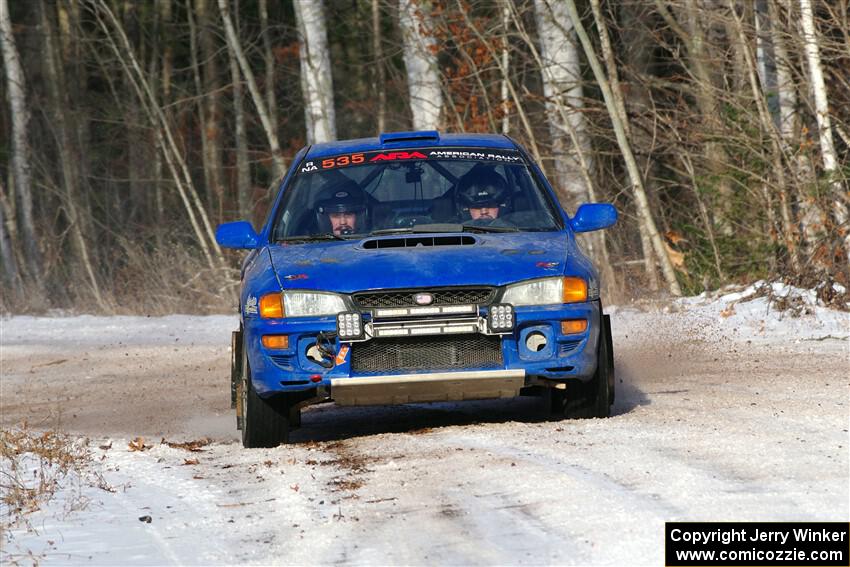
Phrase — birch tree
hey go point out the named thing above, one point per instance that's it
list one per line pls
(316, 80)
(380, 67)
(21, 157)
(562, 89)
(827, 147)
(420, 61)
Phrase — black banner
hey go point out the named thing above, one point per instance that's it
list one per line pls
(692, 544)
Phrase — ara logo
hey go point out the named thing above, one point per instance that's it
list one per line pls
(398, 155)
(251, 305)
(309, 166)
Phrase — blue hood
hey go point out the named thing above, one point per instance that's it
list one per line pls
(494, 259)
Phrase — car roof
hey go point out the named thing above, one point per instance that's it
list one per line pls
(402, 140)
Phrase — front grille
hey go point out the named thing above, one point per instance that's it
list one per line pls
(405, 298)
(378, 356)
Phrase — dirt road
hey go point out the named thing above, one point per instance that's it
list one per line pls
(708, 425)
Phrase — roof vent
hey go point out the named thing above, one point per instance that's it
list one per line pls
(422, 135)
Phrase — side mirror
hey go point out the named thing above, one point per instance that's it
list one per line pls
(593, 216)
(239, 234)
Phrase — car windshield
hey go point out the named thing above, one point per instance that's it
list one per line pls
(422, 190)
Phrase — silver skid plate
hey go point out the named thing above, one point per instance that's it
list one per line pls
(433, 387)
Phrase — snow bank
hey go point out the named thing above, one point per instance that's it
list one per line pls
(89, 330)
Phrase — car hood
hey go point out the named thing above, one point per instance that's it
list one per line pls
(350, 266)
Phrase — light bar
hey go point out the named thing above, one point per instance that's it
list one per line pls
(349, 326)
(428, 330)
(408, 311)
(501, 317)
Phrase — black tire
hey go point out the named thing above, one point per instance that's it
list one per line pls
(595, 397)
(265, 423)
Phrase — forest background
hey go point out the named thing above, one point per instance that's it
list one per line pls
(719, 128)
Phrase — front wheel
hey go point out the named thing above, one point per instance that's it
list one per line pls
(593, 398)
(265, 423)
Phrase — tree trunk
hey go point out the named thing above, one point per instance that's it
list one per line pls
(420, 61)
(213, 130)
(62, 118)
(11, 274)
(243, 168)
(504, 98)
(259, 103)
(788, 228)
(827, 147)
(810, 214)
(316, 81)
(21, 160)
(561, 72)
(707, 83)
(268, 58)
(380, 69)
(625, 149)
(165, 137)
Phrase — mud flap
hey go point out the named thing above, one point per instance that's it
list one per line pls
(235, 364)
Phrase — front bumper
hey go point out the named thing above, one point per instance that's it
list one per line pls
(563, 357)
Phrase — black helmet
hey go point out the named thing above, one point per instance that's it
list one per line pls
(482, 187)
(344, 196)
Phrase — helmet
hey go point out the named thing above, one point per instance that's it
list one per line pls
(482, 187)
(343, 196)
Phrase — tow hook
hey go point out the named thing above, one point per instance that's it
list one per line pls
(322, 351)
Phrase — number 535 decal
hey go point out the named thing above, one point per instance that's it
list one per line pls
(342, 161)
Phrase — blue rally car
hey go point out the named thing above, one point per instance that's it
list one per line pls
(416, 267)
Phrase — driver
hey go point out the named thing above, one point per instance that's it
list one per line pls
(341, 209)
(482, 194)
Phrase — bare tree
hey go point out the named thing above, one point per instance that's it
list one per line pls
(259, 103)
(827, 146)
(11, 274)
(562, 87)
(420, 60)
(165, 137)
(380, 65)
(625, 148)
(243, 167)
(69, 158)
(21, 158)
(316, 81)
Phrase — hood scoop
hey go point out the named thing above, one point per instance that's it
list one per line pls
(419, 241)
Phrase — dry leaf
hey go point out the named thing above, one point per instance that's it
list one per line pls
(138, 444)
(190, 461)
(728, 312)
(676, 258)
(193, 446)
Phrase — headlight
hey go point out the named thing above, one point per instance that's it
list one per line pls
(311, 303)
(547, 291)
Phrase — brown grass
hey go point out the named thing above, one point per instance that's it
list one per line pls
(33, 465)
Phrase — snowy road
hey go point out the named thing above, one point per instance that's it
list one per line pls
(734, 417)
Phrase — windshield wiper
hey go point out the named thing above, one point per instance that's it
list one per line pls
(442, 227)
(312, 237)
(419, 229)
(476, 228)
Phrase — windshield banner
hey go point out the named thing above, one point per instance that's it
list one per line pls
(378, 157)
